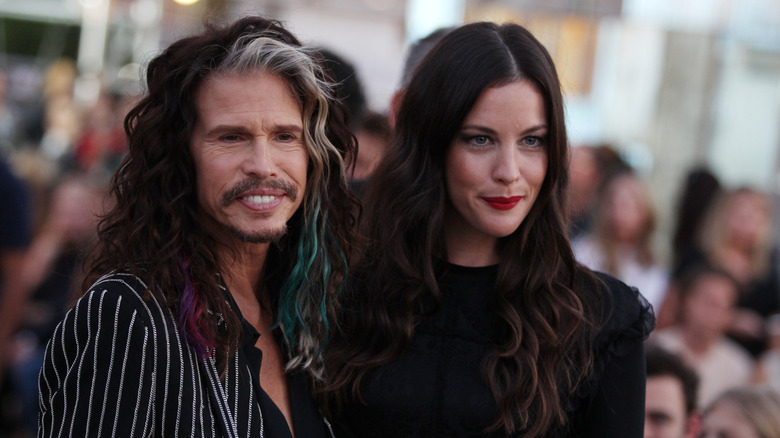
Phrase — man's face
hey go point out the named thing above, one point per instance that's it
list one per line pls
(250, 156)
(665, 415)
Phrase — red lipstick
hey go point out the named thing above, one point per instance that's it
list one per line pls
(502, 202)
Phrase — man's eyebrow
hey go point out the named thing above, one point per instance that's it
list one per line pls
(226, 128)
(294, 127)
(288, 127)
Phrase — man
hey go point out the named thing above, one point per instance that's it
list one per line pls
(221, 256)
(670, 406)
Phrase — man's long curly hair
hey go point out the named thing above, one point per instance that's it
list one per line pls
(156, 230)
(549, 317)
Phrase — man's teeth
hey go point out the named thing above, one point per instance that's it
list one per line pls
(260, 199)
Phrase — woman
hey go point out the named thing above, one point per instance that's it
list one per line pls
(620, 243)
(469, 315)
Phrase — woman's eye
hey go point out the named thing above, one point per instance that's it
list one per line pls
(285, 137)
(479, 140)
(533, 141)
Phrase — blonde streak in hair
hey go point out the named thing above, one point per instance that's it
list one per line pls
(320, 148)
(314, 135)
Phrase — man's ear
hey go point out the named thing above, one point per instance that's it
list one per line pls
(693, 426)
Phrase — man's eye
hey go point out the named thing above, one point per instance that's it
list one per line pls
(230, 137)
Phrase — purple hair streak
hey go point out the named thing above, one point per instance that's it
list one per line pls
(191, 313)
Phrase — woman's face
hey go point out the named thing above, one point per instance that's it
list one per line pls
(495, 166)
(725, 422)
(748, 220)
(627, 209)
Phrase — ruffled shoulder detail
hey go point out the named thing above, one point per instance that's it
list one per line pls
(628, 318)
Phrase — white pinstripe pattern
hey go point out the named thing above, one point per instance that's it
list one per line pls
(213, 374)
(92, 371)
(95, 356)
(122, 376)
(110, 368)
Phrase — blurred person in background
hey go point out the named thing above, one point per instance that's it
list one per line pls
(373, 135)
(371, 129)
(620, 242)
(590, 168)
(414, 57)
(671, 397)
(738, 235)
(15, 237)
(61, 119)
(749, 412)
(9, 119)
(700, 189)
(51, 277)
(585, 178)
(101, 143)
(708, 297)
(768, 365)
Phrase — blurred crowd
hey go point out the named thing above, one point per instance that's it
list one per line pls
(56, 156)
(717, 298)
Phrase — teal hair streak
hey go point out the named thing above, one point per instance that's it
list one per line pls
(296, 303)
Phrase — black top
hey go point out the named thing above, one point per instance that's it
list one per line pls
(118, 366)
(435, 388)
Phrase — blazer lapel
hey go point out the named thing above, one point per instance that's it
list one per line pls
(223, 417)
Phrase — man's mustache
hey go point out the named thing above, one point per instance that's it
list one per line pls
(254, 183)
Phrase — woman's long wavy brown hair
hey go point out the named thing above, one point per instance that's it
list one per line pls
(549, 319)
(156, 230)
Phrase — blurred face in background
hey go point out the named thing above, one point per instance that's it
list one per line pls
(748, 220)
(708, 307)
(665, 415)
(627, 207)
(584, 178)
(76, 206)
(724, 421)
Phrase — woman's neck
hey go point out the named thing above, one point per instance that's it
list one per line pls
(466, 248)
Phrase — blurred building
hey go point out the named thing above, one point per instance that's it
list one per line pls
(670, 82)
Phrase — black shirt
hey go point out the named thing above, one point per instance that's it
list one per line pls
(435, 388)
(306, 418)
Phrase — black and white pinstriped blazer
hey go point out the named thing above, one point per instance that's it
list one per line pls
(117, 366)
